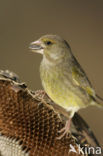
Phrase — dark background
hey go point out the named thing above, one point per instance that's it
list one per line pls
(80, 22)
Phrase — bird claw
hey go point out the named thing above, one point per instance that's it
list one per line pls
(65, 129)
(61, 130)
(62, 135)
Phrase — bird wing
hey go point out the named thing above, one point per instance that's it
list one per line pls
(80, 79)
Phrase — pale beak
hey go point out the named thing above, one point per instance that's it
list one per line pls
(36, 47)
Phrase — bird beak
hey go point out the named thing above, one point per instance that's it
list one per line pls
(36, 47)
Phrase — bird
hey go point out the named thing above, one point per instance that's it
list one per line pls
(63, 78)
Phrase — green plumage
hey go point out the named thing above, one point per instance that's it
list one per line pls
(61, 85)
(62, 77)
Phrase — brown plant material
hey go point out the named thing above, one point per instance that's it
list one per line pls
(30, 121)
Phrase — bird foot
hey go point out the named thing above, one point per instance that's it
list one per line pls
(65, 129)
(39, 94)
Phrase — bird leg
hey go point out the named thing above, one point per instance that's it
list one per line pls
(65, 129)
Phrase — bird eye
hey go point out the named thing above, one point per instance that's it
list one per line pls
(48, 42)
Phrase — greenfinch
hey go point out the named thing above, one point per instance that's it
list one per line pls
(62, 77)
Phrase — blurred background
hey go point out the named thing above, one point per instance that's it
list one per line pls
(79, 22)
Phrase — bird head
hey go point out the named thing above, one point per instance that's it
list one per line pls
(53, 47)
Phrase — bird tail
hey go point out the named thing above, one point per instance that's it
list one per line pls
(98, 101)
